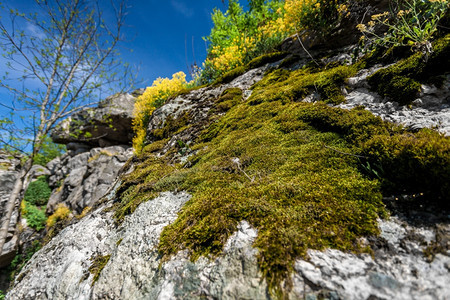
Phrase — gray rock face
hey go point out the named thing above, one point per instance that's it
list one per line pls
(106, 125)
(81, 180)
(430, 110)
(135, 270)
(8, 175)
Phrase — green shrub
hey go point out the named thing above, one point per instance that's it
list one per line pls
(38, 192)
(35, 216)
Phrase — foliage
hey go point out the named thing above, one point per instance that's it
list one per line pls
(239, 36)
(35, 216)
(401, 81)
(48, 152)
(318, 16)
(38, 192)
(154, 97)
(410, 23)
(21, 259)
(62, 212)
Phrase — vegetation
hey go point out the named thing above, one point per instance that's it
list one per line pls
(410, 23)
(62, 212)
(34, 215)
(21, 259)
(98, 263)
(38, 192)
(305, 175)
(401, 81)
(154, 97)
(48, 152)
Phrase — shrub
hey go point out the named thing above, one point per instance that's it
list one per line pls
(410, 23)
(153, 97)
(35, 217)
(38, 192)
(61, 213)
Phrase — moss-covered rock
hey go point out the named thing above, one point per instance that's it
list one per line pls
(401, 81)
(296, 171)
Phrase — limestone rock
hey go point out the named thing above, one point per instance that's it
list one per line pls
(106, 125)
(8, 175)
(81, 180)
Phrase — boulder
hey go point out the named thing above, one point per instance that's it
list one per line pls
(106, 125)
(81, 180)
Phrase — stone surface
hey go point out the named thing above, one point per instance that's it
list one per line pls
(81, 180)
(431, 110)
(8, 174)
(106, 125)
(135, 270)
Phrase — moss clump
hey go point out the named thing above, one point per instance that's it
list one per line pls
(230, 75)
(401, 81)
(413, 163)
(171, 125)
(229, 98)
(265, 58)
(288, 86)
(98, 263)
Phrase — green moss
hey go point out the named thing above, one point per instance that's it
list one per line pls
(254, 63)
(265, 58)
(401, 82)
(413, 163)
(230, 75)
(171, 125)
(293, 170)
(289, 86)
(229, 98)
(98, 263)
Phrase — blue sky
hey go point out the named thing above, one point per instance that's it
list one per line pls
(161, 33)
(165, 37)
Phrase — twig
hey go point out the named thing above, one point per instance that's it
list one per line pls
(300, 41)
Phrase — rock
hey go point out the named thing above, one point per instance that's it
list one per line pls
(106, 125)
(8, 174)
(429, 111)
(81, 180)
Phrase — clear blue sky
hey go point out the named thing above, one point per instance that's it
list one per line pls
(161, 34)
(165, 36)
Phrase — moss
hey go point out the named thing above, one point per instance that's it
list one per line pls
(171, 125)
(401, 82)
(98, 263)
(229, 98)
(413, 163)
(230, 75)
(293, 170)
(265, 58)
(288, 86)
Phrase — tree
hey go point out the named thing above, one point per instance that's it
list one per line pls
(67, 52)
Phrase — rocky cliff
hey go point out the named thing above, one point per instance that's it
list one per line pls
(214, 207)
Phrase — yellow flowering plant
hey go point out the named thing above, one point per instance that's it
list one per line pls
(410, 23)
(152, 98)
